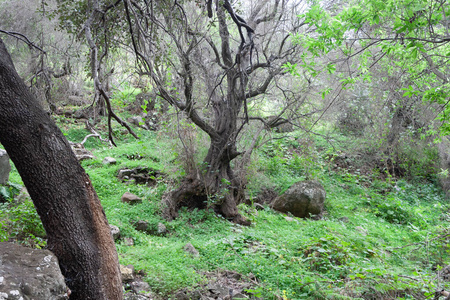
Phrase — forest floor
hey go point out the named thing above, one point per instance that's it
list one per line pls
(382, 236)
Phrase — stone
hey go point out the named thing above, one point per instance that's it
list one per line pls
(189, 248)
(5, 167)
(115, 232)
(27, 273)
(124, 173)
(344, 219)
(127, 273)
(141, 225)
(302, 200)
(162, 230)
(23, 195)
(131, 198)
(128, 241)
(109, 161)
(181, 296)
(140, 287)
(131, 296)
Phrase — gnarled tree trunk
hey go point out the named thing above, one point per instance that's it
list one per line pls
(77, 229)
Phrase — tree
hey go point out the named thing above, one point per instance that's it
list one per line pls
(411, 38)
(211, 69)
(76, 226)
(208, 66)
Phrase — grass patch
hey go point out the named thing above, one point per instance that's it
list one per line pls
(378, 239)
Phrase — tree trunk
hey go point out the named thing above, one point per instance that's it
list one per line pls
(77, 229)
(215, 185)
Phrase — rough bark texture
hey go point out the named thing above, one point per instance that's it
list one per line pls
(76, 226)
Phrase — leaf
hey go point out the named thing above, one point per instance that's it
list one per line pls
(376, 18)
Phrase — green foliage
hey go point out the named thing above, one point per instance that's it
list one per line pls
(362, 246)
(288, 160)
(20, 221)
(411, 39)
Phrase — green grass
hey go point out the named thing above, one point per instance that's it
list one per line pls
(383, 238)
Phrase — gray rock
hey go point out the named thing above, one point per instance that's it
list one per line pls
(131, 296)
(189, 248)
(181, 296)
(138, 121)
(27, 273)
(162, 230)
(140, 287)
(124, 173)
(141, 225)
(127, 273)
(131, 198)
(5, 167)
(115, 231)
(109, 161)
(344, 219)
(128, 241)
(302, 199)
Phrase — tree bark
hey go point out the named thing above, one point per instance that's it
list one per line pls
(77, 229)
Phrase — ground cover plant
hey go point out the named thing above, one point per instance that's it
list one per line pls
(381, 238)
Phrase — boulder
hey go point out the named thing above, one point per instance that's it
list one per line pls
(128, 241)
(142, 226)
(5, 167)
(302, 199)
(189, 248)
(131, 198)
(115, 232)
(109, 161)
(27, 273)
(162, 229)
(140, 287)
(126, 273)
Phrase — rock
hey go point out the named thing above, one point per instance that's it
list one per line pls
(131, 198)
(302, 199)
(189, 248)
(5, 167)
(218, 289)
(162, 230)
(124, 173)
(289, 219)
(140, 175)
(138, 121)
(77, 100)
(128, 241)
(127, 273)
(27, 273)
(115, 231)
(141, 225)
(181, 296)
(344, 219)
(140, 287)
(131, 296)
(23, 195)
(109, 161)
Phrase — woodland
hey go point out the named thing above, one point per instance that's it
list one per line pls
(221, 106)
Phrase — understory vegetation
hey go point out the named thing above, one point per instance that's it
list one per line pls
(224, 106)
(382, 237)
